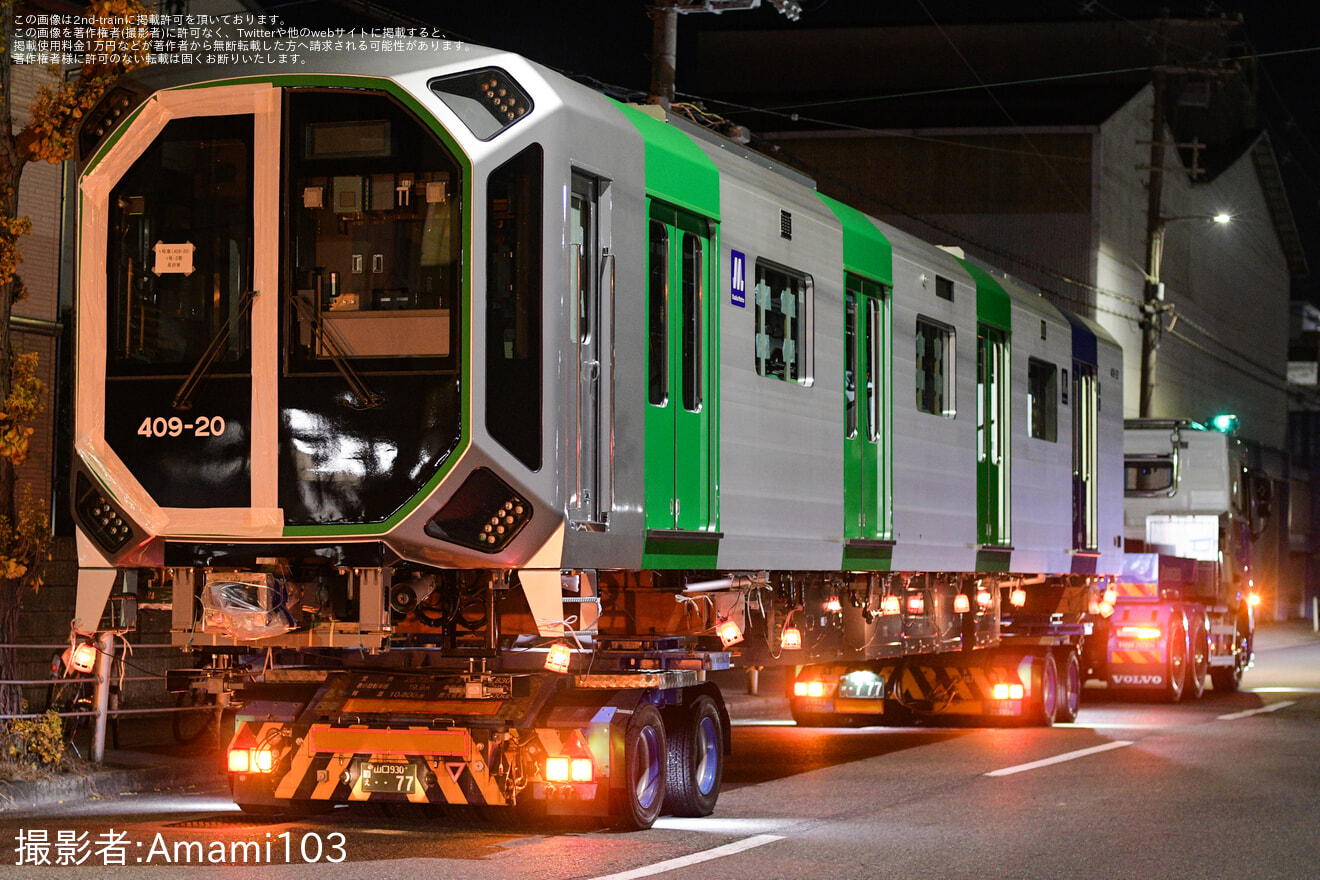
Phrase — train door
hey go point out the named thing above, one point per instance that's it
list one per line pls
(1086, 498)
(590, 336)
(867, 489)
(679, 459)
(992, 469)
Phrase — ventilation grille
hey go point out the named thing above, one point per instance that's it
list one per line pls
(785, 225)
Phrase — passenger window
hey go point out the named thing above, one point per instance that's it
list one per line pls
(782, 313)
(1043, 400)
(657, 299)
(513, 306)
(935, 368)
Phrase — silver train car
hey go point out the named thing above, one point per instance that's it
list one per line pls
(446, 354)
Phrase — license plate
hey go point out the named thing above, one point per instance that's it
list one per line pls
(1004, 707)
(398, 777)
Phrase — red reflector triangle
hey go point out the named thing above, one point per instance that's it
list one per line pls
(455, 771)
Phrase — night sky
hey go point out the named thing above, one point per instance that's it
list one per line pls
(610, 40)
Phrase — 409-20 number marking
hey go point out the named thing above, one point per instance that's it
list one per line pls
(202, 426)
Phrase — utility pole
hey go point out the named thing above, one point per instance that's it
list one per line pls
(664, 52)
(1152, 319)
(664, 36)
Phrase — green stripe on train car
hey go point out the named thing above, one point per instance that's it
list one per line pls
(677, 171)
(993, 305)
(865, 249)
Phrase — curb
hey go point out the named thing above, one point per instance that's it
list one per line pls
(107, 782)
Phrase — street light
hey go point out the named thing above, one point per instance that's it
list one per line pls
(1153, 308)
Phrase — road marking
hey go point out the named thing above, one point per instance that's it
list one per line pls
(697, 858)
(1059, 759)
(1272, 707)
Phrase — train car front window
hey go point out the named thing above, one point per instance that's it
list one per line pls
(374, 235)
(179, 253)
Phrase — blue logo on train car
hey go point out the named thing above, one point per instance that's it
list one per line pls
(738, 279)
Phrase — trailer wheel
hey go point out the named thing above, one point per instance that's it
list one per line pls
(696, 760)
(1198, 661)
(1045, 704)
(1070, 687)
(1177, 664)
(644, 759)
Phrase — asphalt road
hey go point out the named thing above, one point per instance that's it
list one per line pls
(1225, 787)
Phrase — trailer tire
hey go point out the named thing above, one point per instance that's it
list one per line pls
(1045, 703)
(1198, 661)
(640, 800)
(1070, 686)
(696, 759)
(1176, 666)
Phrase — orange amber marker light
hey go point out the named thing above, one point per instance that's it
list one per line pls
(559, 658)
(83, 658)
(1018, 597)
(729, 633)
(239, 760)
(791, 639)
(1254, 599)
(961, 604)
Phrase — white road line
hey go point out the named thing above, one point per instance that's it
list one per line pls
(1272, 707)
(1059, 759)
(695, 859)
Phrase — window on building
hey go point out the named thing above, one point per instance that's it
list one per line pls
(935, 368)
(1043, 399)
(782, 314)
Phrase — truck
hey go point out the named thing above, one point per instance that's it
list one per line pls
(1185, 601)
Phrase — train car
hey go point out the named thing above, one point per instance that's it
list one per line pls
(470, 417)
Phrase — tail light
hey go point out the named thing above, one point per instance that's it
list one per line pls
(1005, 691)
(566, 769)
(259, 759)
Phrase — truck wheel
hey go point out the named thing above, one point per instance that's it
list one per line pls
(644, 759)
(1177, 665)
(1045, 704)
(1070, 687)
(696, 760)
(1198, 661)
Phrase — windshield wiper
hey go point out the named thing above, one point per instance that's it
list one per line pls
(182, 398)
(367, 399)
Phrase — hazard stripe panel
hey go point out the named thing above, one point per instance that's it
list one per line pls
(449, 767)
(324, 739)
(1117, 658)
